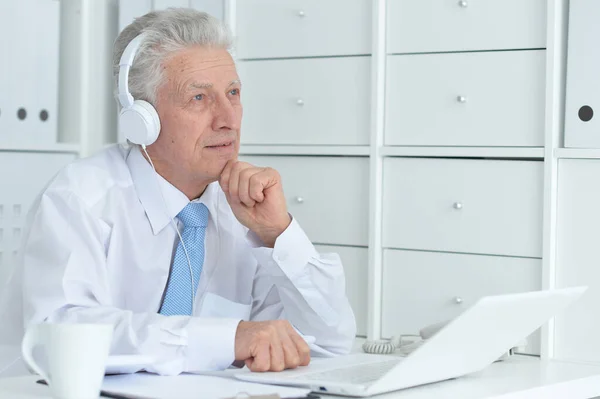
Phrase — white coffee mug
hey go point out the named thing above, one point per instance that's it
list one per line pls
(77, 355)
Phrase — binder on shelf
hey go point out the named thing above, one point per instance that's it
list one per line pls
(582, 109)
(29, 71)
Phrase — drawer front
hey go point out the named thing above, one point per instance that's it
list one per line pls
(422, 288)
(578, 258)
(327, 195)
(311, 102)
(469, 99)
(463, 205)
(36, 169)
(301, 28)
(355, 261)
(452, 25)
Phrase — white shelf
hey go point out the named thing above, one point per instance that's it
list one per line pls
(398, 151)
(577, 153)
(357, 150)
(41, 147)
(484, 152)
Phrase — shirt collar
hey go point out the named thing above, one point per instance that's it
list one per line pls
(150, 185)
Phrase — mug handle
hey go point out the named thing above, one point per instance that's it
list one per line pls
(32, 339)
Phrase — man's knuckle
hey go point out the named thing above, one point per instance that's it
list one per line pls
(264, 334)
(295, 360)
(272, 328)
(254, 179)
(246, 173)
(283, 323)
(237, 167)
(263, 366)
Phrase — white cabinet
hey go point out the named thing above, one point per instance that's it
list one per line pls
(466, 99)
(302, 28)
(306, 101)
(468, 74)
(326, 195)
(22, 177)
(578, 258)
(463, 205)
(452, 25)
(422, 288)
(355, 261)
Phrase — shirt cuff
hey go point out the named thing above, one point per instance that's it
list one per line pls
(292, 250)
(211, 344)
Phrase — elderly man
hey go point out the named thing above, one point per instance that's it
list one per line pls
(197, 262)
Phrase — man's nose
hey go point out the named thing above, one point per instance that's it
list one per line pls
(226, 116)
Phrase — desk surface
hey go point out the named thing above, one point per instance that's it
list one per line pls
(516, 378)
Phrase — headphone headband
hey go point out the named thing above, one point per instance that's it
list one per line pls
(125, 97)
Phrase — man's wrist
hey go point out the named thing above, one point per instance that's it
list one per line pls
(269, 235)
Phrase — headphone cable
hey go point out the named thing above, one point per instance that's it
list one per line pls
(175, 227)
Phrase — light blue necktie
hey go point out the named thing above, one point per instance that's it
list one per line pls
(178, 298)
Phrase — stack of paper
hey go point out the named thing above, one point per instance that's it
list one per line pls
(148, 386)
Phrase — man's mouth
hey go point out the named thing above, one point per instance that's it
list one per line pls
(223, 145)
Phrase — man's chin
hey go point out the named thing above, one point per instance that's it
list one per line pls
(220, 165)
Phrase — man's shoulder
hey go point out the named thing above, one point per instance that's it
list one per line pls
(92, 178)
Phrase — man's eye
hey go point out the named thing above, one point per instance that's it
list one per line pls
(234, 92)
(199, 97)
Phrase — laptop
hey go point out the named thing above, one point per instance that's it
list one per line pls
(469, 343)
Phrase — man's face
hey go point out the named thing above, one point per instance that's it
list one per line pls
(200, 113)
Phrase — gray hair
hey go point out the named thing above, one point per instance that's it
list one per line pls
(167, 31)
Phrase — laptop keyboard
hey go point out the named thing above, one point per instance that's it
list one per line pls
(356, 374)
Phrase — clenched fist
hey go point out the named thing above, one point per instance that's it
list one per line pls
(256, 199)
(270, 346)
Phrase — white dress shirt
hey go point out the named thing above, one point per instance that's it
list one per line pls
(99, 247)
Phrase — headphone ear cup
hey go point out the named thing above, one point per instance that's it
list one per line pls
(139, 123)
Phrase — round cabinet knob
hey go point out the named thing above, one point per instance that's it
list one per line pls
(300, 200)
(458, 300)
(301, 14)
(300, 102)
(458, 205)
(463, 4)
(461, 99)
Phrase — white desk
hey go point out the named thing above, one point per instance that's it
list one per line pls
(517, 378)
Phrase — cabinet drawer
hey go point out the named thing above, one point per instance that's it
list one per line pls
(22, 177)
(469, 99)
(301, 28)
(327, 195)
(463, 205)
(311, 102)
(355, 262)
(452, 25)
(422, 288)
(578, 258)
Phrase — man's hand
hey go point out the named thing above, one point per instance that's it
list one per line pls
(270, 346)
(256, 198)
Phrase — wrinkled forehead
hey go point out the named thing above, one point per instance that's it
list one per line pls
(200, 67)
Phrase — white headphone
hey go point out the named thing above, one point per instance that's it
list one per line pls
(138, 120)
